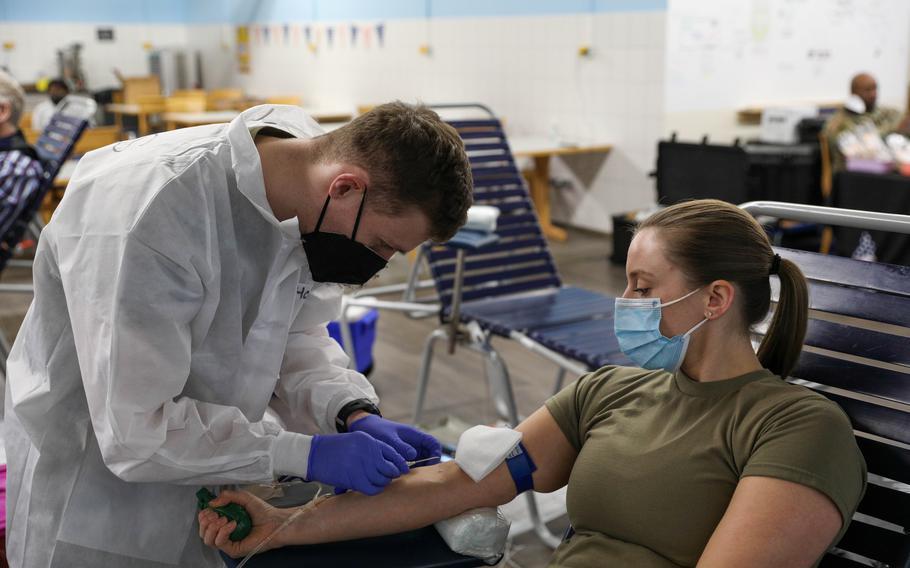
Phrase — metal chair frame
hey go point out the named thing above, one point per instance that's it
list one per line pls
(464, 282)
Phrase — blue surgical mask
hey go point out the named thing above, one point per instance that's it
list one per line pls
(636, 322)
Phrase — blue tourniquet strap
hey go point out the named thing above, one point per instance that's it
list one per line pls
(521, 466)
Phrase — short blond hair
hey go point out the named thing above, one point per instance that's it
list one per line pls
(11, 92)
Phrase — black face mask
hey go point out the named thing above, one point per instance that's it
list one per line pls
(337, 258)
(56, 100)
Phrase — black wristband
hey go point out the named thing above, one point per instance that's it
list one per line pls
(341, 421)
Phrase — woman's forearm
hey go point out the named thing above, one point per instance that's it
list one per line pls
(429, 494)
(424, 496)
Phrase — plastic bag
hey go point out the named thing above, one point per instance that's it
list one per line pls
(481, 533)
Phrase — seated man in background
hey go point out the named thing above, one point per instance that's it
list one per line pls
(860, 108)
(41, 115)
(20, 170)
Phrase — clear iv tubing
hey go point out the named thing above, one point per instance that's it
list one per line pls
(276, 484)
(311, 505)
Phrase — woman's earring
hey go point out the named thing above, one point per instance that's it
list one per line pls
(709, 315)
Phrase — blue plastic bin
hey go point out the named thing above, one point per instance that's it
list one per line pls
(363, 332)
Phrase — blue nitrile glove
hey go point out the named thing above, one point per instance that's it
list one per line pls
(409, 442)
(353, 461)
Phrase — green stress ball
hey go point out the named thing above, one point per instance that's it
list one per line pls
(232, 511)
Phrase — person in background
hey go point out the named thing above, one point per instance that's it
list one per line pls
(20, 170)
(20, 179)
(861, 106)
(43, 111)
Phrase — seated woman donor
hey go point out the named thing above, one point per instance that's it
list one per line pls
(702, 456)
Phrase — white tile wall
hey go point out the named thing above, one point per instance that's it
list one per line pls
(36, 44)
(526, 68)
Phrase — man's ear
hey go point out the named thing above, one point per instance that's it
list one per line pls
(344, 184)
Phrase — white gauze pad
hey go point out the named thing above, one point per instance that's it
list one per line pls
(481, 449)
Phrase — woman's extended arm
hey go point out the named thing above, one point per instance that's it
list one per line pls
(420, 498)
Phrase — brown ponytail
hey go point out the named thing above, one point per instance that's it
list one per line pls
(788, 326)
(714, 240)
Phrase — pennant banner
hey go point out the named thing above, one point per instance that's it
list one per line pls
(291, 34)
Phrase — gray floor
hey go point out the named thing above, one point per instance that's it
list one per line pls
(457, 387)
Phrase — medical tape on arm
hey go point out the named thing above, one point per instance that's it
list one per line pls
(482, 449)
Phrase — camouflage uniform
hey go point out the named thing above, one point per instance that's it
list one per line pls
(886, 120)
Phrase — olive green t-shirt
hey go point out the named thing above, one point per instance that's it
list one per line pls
(660, 456)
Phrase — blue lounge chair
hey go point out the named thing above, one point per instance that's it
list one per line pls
(857, 353)
(53, 148)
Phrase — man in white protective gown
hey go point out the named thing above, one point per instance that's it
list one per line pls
(183, 287)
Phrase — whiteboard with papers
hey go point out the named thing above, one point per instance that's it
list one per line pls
(738, 53)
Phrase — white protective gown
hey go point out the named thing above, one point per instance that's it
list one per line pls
(171, 309)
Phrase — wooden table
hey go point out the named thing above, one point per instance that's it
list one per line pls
(140, 111)
(541, 149)
(175, 120)
(751, 115)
